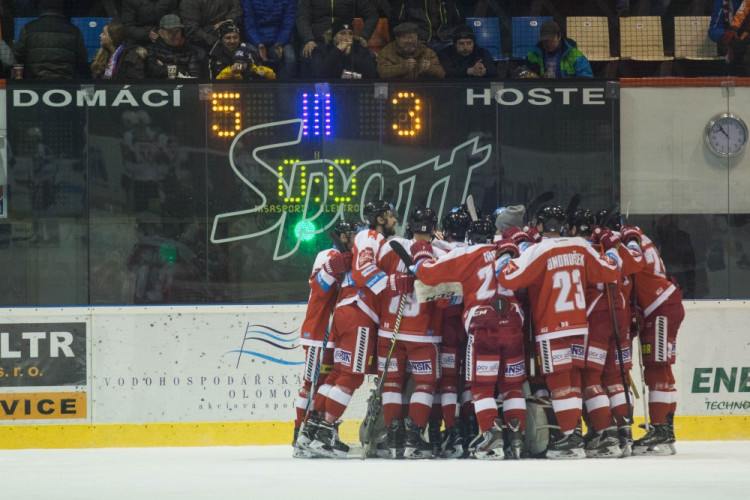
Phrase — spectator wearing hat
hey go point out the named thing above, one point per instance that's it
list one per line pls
(203, 17)
(231, 59)
(465, 59)
(172, 49)
(406, 57)
(316, 17)
(556, 56)
(268, 30)
(508, 217)
(50, 47)
(344, 56)
(436, 20)
(141, 18)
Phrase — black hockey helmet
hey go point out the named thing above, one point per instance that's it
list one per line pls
(613, 222)
(345, 226)
(465, 208)
(423, 220)
(552, 218)
(455, 224)
(375, 209)
(583, 220)
(480, 231)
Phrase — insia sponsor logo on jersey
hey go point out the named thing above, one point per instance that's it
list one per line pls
(421, 367)
(627, 356)
(577, 351)
(343, 357)
(515, 369)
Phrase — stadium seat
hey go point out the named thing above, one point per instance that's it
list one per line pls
(91, 27)
(18, 23)
(487, 34)
(525, 32)
(380, 37)
(691, 39)
(592, 36)
(641, 39)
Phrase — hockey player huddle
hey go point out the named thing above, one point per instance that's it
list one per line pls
(543, 323)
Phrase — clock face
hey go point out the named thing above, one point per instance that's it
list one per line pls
(726, 135)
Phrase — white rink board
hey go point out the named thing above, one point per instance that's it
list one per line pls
(183, 363)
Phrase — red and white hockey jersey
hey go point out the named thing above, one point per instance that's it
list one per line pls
(366, 280)
(323, 292)
(556, 272)
(631, 262)
(419, 322)
(652, 287)
(473, 267)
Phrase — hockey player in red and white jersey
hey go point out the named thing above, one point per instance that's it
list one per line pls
(455, 442)
(355, 323)
(494, 354)
(417, 344)
(663, 313)
(324, 288)
(556, 272)
(609, 428)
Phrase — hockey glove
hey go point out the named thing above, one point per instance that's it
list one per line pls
(421, 250)
(606, 238)
(534, 235)
(507, 246)
(338, 264)
(399, 284)
(630, 233)
(516, 234)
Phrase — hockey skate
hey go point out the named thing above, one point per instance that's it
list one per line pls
(489, 444)
(514, 439)
(452, 446)
(327, 443)
(433, 436)
(670, 427)
(625, 434)
(567, 446)
(603, 444)
(304, 436)
(656, 442)
(415, 446)
(393, 445)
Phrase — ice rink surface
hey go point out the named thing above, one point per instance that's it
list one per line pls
(700, 470)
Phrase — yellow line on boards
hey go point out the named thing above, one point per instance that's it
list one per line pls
(687, 428)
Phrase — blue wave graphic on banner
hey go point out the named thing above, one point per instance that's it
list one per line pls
(279, 338)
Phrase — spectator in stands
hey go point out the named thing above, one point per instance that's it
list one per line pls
(6, 59)
(172, 49)
(268, 29)
(556, 56)
(116, 59)
(141, 18)
(203, 17)
(231, 59)
(50, 47)
(316, 17)
(436, 20)
(729, 29)
(407, 57)
(465, 59)
(658, 7)
(344, 56)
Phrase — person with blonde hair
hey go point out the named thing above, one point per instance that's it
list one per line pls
(116, 59)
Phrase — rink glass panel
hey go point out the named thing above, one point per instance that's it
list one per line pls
(162, 194)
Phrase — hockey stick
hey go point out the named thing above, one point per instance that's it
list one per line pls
(471, 208)
(640, 355)
(535, 203)
(616, 331)
(319, 364)
(376, 402)
(572, 205)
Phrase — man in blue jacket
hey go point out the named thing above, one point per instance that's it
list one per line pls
(268, 28)
(556, 56)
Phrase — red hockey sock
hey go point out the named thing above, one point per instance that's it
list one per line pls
(566, 400)
(420, 407)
